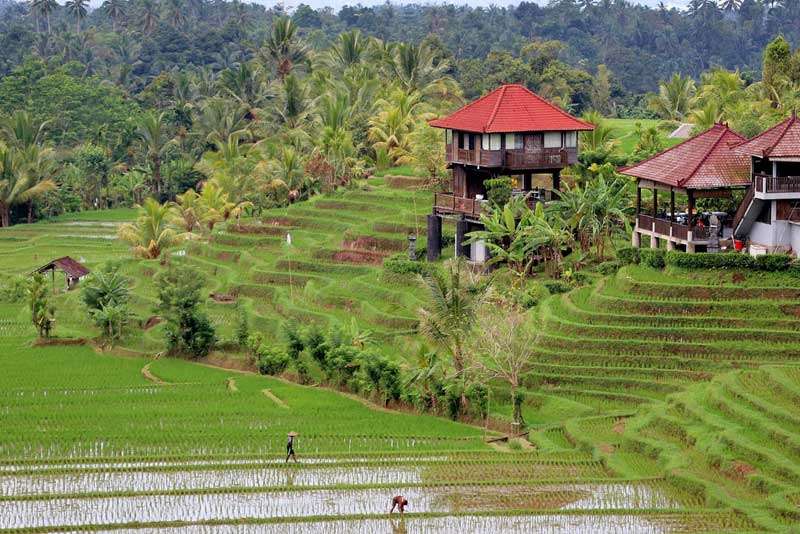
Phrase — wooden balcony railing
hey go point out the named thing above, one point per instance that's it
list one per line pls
(662, 226)
(680, 231)
(543, 158)
(645, 222)
(777, 184)
(449, 203)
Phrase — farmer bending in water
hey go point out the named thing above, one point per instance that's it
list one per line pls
(400, 503)
(290, 448)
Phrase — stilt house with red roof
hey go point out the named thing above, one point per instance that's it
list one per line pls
(511, 131)
(769, 217)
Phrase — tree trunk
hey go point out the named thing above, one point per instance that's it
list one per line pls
(4, 216)
(30, 211)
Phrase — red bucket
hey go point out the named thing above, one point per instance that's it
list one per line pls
(738, 244)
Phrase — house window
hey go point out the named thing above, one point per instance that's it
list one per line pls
(571, 139)
(552, 139)
(494, 141)
(513, 141)
(484, 142)
(448, 137)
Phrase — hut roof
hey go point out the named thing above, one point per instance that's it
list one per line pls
(511, 108)
(780, 141)
(705, 161)
(67, 265)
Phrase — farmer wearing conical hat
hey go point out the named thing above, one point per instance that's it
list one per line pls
(400, 503)
(290, 447)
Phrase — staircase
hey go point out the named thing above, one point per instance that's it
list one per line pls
(746, 214)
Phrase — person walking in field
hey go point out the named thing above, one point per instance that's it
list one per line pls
(400, 503)
(290, 447)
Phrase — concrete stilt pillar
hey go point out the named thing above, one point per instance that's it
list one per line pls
(689, 247)
(636, 239)
(670, 244)
(653, 241)
(434, 237)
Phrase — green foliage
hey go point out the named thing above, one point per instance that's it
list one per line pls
(400, 264)
(382, 376)
(765, 262)
(608, 268)
(188, 329)
(105, 294)
(652, 257)
(628, 255)
(14, 289)
(42, 310)
(555, 287)
(478, 396)
(272, 361)
(86, 109)
(498, 190)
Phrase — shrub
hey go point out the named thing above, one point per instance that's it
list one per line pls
(556, 286)
(43, 312)
(685, 260)
(453, 400)
(315, 344)
(608, 268)
(478, 395)
(530, 296)
(14, 290)
(382, 376)
(272, 361)
(628, 255)
(242, 325)
(400, 264)
(652, 257)
(187, 327)
(498, 190)
(773, 262)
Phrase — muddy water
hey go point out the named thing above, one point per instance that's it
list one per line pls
(143, 481)
(230, 506)
(599, 524)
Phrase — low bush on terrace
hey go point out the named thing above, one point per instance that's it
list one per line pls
(400, 264)
(659, 258)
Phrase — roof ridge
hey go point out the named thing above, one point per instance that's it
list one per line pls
(705, 156)
(670, 149)
(502, 90)
(788, 122)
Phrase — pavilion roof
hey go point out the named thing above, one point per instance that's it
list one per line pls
(67, 265)
(780, 141)
(511, 108)
(706, 161)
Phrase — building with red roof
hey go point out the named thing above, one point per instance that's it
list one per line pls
(770, 214)
(510, 131)
(706, 165)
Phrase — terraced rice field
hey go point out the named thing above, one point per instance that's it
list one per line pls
(658, 402)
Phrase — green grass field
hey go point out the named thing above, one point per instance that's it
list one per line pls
(625, 132)
(658, 401)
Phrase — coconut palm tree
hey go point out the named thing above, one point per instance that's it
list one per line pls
(176, 13)
(675, 97)
(152, 133)
(43, 8)
(601, 139)
(214, 205)
(187, 211)
(19, 181)
(115, 9)
(78, 9)
(504, 233)
(283, 48)
(148, 16)
(416, 68)
(22, 131)
(449, 314)
(548, 236)
(151, 233)
(348, 49)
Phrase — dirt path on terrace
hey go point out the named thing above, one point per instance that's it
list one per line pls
(148, 375)
(274, 398)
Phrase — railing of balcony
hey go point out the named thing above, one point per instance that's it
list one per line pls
(645, 221)
(450, 203)
(514, 159)
(777, 184)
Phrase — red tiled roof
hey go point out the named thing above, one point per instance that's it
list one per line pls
(511, 108)
(705, 161)
(780, 141)
(67, 265)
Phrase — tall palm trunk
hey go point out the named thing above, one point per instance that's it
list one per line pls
(30, 211)
(5, 215)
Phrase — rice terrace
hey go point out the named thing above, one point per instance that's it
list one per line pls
(291, 269)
